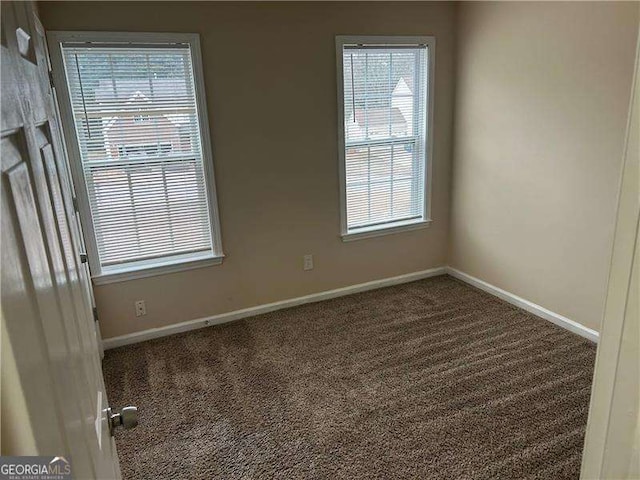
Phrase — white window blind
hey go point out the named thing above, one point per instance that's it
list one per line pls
(385, 122)
(135, 113)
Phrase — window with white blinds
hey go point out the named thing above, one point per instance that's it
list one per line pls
(384, 98)
(139, 136)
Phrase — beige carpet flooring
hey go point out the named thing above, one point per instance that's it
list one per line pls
(432, 379)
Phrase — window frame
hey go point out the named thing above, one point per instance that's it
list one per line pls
(143, 268)
(383, 41)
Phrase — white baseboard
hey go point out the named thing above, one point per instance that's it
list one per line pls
(530, 307)
(269, 307)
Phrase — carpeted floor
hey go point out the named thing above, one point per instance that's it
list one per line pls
(432, 379)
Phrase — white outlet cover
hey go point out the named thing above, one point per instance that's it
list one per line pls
(141, 308)
(308, 262)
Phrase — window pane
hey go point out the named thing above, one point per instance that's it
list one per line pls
(136, 121)
(384, 184)
(379, 88)
(385, 129)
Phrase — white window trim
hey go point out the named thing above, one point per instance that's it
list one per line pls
(396, 227)
(149, 268)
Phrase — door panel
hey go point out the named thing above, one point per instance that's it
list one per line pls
(67, 194)
(81, 302)
(81, 366)
(16, 281)
(44, 66)
(47, 305)
(84, 309)
(10, 105)
(24, 209)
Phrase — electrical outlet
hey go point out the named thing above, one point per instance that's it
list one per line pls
(307, 262)
(141, 308)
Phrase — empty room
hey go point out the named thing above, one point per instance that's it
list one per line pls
(309, 240)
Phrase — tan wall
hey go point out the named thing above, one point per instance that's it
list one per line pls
(270, 76)
(542, 95)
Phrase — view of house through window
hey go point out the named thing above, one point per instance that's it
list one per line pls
(138, 133)
(385, 112)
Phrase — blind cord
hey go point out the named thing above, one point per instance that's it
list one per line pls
(84, 105)
(353, 91)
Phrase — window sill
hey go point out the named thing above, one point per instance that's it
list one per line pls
(154, 270)
(378, 232)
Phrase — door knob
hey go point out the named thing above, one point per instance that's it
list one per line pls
(126, 418)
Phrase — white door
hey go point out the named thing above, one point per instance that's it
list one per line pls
(612, 441)
(47, 311)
